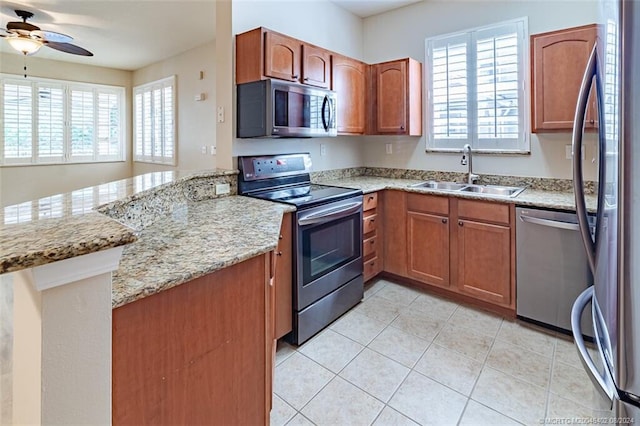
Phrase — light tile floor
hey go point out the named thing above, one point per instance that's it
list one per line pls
(406, 357)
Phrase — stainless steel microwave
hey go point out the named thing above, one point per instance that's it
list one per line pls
(271, 109)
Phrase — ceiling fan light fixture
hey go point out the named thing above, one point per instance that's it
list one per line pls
(25, 45)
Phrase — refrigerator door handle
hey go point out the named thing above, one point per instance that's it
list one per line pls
(576, 142)
(603, 383)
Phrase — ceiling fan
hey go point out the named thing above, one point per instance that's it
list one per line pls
(28, 39)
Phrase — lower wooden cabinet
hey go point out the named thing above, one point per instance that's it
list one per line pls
(428, 239)
(198, 353)
(395, 232)
(372, 235)
(466, 247)
(485, 251)
(283, 281)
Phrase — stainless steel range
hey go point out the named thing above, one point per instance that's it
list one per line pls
(327, 237)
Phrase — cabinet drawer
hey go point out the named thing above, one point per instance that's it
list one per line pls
(369, 224)
(370, 246)
(370, 201)
(483, 211)
(371, 268)
(428, 204)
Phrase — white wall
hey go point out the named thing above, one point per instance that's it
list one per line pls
(196, 123)
(402, 32)
(318, 22)
(24, 183)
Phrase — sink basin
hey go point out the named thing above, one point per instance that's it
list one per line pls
(498, 190)
(505, 191)
(446, 186)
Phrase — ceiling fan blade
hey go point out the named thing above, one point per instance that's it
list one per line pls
(68, 48)
(52, 36)
(24, 26)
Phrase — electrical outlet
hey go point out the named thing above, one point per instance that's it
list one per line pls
(222, 188)
(568, 152)
(203, 149)
(220, 114)
(323, 149)
(212, 150)
(389, 148)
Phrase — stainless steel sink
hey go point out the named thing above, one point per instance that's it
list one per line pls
(498, 190)
(505, 191)
(446, 186)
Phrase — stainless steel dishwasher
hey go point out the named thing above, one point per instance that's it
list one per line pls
(552, 268)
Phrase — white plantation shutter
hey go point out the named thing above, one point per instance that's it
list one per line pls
(51, 129)
(82, 123)
(52, 121)
(476, 89)
(109, 125)
(450, 89)
(155, 122)
(168, 121)
(17, 121)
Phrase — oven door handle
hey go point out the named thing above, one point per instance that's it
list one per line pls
(329, 214)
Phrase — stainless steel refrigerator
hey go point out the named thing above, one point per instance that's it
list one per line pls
(614, 297)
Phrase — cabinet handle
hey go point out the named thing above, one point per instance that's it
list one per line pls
(444, 220)
(401, 127)
(279, 253)
(592, 121)
(306, 79)
(460, 223)
(371, 197)
(372, 242)
(281, 237)
(295, 77)
(372, 220)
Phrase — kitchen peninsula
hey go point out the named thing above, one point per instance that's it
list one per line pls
(209, 336)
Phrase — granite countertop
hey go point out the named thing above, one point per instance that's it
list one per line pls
(67, 225)
(196, 239)
(560, 200)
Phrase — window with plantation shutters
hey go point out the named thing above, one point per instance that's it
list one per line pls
(154, 121)
(48, 121)
(476, 89)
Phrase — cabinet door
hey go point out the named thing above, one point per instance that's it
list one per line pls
(281, 57)
(348, 79)
(316, 66)
(391, 97)
(484, 261)
(283, 280)
(559, 59)
(395, 232)
(428, 248)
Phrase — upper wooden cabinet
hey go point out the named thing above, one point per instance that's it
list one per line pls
(316, 66)
(262, 53)
(558, 61)
(281, 57)
(349, 80)
(397, 91)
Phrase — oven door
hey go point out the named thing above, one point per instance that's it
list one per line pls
(328, 249)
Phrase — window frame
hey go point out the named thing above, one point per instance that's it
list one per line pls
(148, 88)
(522, 145)
(67, 86)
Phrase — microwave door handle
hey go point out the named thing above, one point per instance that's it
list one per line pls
(329, 214)
(325, 121)
(576, 145)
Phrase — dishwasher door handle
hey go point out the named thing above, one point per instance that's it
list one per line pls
(552, 223)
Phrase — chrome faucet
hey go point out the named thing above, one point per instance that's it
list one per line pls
(466, 151)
